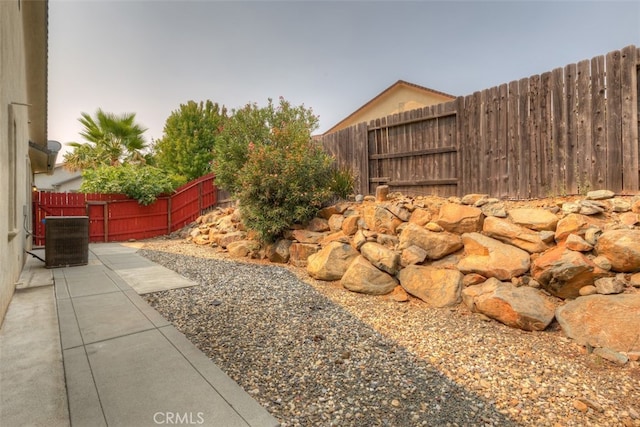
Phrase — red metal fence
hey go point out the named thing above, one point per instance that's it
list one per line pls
(116, 218)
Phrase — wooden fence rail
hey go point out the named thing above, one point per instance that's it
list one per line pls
(116, 218)
(566, 131)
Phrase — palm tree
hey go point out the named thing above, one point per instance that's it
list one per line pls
(111, 140)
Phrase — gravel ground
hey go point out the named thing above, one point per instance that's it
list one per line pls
(314, 354)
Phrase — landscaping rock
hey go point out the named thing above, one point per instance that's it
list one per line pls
(243, 248)
(621, 248)
(306, 236)
(436, 245)
(572, 224)
(600, 194)
(331, 262)
(381, 257)
(513, 234)
(563, 272)
(350, 225)
(420, 217)
(534, 219)
(609, 285)
(609, 321)
(412, 255)
(439, 288)
(492, 258)
(299, 253)
(577, 243)
(378, 218)
(519, 307)
(460, 219)
(364, 277)
(278, 252)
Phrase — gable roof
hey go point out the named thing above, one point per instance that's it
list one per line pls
(391, 88)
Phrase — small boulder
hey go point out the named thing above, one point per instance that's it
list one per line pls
(513, 234)
(436, 245)
(563, 272)
(609, 321)
(318, 225)
(420, 217)
(278, 252)
(381, 257)
(460, 218)
(437, 287)
(609, 285)
(331, 262)
(492, 258)
(519, 307)
(600, 194)
(621, 248)
(534, 218)
(350, 224)
(299, 253)
(572, 224)
(243, 248)
(364, 277)
(577, 243)
(412, 255)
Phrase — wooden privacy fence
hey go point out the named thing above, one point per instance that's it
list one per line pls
(567, 131)
(116, 218)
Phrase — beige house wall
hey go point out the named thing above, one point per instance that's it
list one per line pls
(399, 99)
(17, 109)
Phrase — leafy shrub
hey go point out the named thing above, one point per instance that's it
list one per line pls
(266, 159)
(143, 183)
(343, 182)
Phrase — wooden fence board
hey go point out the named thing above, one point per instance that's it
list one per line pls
(598, 123)
(583, 127)
(613, 118)
(570, 107)
(541, 135)
(628, 84)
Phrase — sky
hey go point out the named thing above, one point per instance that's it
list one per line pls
(147, 57)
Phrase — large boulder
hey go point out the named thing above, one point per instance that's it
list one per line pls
(364, 277)
(437, 245)
(609, 321)
(519, 307)
(381, 257)
(460, 219)
(438, 287)
(492, 258)
(534, 218)
(331, 262)
(621, 248)
(513, 234)
(563, 272)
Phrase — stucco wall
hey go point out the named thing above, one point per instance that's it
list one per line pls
(14, 124)
(400, 99)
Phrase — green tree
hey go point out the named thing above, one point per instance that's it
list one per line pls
(110, 140)
(186, 147)
(141, 182)
(265, 158)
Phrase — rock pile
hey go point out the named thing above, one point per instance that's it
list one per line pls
(576, 260)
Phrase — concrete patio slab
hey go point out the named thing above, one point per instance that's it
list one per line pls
(107, 358)
(32, 389)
